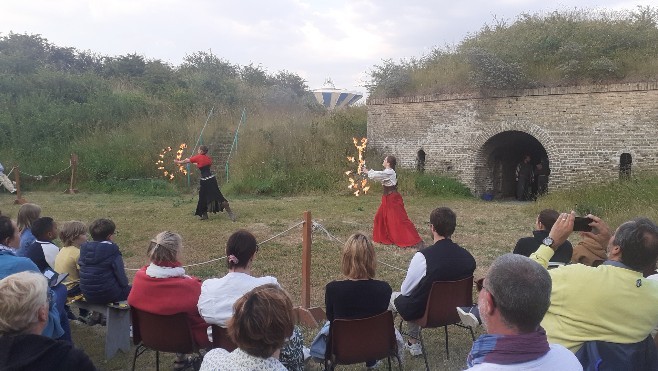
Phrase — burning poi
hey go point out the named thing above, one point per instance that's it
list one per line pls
(167, 173)
(358, 179)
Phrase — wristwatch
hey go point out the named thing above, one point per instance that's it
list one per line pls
(548, 241)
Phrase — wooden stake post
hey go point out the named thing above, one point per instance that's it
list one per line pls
(306, 315)
(17, 175)
(74, 170)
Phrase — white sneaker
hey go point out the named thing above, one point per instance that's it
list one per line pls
(468, 318)
(415, 349)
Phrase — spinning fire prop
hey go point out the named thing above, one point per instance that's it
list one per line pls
(179, 154)
(358, 179)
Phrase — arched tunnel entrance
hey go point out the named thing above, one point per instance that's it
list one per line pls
(499, 157)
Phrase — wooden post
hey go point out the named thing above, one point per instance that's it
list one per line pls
(306, 260)
(17, 175)
(307, 316)
(74, 170)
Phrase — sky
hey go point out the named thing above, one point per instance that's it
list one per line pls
(338, 39)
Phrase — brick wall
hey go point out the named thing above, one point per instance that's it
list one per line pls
(583, 131)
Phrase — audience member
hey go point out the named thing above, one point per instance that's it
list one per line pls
(219, 294)
(589, 252)
(5, 181)
(102, 273)
(10, 264)
(163, 288)
(359, 295)
(612, 302)
(527, 245)
(72, 234)
(514, 298)
(43, 251)
(27, 214)
(23, 316)
(263, 319)
(443, 261)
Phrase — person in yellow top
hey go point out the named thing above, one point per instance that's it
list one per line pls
(72, 234)
(612, 302)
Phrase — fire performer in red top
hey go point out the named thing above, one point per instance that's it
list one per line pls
(392, 225)
(211, 198)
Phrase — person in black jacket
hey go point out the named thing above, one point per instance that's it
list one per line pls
(23, 316)
(102, 274)
(443, 261)
(527, 245)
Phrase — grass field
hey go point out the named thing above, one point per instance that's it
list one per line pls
(486, 229)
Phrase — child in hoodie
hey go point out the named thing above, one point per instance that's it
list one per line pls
(102, 274)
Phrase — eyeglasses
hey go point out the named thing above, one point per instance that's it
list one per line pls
(479, 284)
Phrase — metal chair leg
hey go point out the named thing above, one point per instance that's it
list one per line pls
(389, 362)
(472, 334)
(447, 349)
(157, 360)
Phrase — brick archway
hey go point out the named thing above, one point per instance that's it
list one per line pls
(498, 150)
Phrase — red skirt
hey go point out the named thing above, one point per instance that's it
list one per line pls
(392, 225)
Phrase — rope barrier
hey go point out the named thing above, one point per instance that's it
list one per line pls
(39, 177)
(319, 226)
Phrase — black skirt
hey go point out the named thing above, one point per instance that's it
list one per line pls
(210, 197)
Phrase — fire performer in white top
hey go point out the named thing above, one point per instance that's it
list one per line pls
(392, 225)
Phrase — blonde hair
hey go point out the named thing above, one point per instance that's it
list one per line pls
(27, 214)
(22, 295)
(359, 260)
(69, 231)
(165, 247)
(262, 320)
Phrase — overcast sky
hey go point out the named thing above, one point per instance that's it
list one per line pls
(315, 39)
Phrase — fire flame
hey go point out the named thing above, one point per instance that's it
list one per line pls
(179, 154)
(358, 179)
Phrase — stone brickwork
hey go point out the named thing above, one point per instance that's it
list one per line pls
(582, 130)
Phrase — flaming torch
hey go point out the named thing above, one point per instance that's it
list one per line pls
(358, 179)
(169, 174)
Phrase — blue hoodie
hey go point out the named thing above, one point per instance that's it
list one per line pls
(102, 274)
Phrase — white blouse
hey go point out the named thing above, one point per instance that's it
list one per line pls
(238, 360)
(387, 177)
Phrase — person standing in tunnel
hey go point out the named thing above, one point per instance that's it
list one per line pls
(523, 178)
(542, 172)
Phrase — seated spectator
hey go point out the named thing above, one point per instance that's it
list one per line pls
(163, 288)
(27, 214)
(443, 261)
(589, 252)
(43, 252)
(219, 294)
(5, 181)
(359, 295)
(527, 245)
(262, 321)
(23, 316)
(612, 302)
(58, 325)
(102, 273)
(514, 298)
(72, 234)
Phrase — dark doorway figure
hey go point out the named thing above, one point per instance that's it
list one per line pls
(420, 161)
(542, 171)
(625, 164)
(524, 178)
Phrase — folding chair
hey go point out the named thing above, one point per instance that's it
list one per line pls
(440, 311)
(171, 334)
(220, 339)
(360, 340)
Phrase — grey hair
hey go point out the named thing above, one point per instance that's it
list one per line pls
(638, 240)
(521, 290)
(22, 295)
(165, 247)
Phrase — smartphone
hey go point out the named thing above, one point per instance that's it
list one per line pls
(581, 224)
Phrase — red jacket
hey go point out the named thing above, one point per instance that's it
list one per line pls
(170, 296)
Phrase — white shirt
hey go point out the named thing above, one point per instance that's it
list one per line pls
(387, 177)
(417, 270)
(219, 359)
(50, 252)
(558, 358)
(219, 294)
